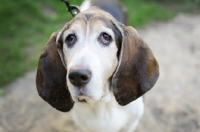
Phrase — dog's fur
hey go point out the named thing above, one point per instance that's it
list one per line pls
(121, 72)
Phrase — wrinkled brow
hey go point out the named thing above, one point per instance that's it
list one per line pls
(92, 17)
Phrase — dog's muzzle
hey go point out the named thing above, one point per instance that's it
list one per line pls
(79, 76)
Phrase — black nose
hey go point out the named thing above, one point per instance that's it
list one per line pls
(79, 77)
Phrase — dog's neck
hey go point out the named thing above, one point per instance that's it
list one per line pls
(99, 108)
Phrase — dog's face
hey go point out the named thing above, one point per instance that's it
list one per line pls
(92, 56)
(89, 51)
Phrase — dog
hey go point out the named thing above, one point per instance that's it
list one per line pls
(97, 69)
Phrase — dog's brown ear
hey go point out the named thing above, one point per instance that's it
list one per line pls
(51, 78)
(137, 70)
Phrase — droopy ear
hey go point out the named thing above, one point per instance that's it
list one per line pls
(137, 70)
(51, 78)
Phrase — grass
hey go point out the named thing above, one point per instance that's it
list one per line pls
(142, 13)
(26, 25)
(25, 28)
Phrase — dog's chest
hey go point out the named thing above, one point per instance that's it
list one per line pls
(109, 117)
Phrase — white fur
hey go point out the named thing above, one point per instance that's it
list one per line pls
(90, 54)
(85, 5)
(108, 117)
(101, 112)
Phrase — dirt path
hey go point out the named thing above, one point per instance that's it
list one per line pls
(173, 105)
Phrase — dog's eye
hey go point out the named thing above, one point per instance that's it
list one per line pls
(105, 38)
(70, 39)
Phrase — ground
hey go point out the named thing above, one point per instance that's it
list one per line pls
(171, 106)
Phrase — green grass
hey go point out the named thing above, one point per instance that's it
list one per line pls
(25, 28)
(26, 25)
(142, 12)
(2, 92)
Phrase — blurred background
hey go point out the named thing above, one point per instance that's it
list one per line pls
(170, 27)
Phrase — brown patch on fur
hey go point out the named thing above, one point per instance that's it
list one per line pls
(152, 65)
(138, 70)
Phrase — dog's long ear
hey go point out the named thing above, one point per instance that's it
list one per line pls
(51, 78)
(137, 70)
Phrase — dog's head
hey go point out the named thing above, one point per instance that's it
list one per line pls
(91, 57)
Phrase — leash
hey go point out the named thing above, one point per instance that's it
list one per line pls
(73, 9)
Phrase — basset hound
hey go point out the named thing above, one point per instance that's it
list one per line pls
(97, 69)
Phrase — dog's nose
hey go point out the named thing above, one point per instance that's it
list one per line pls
(79, 77)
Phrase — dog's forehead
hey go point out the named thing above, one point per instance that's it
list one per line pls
(93, 16)
(96, 17)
